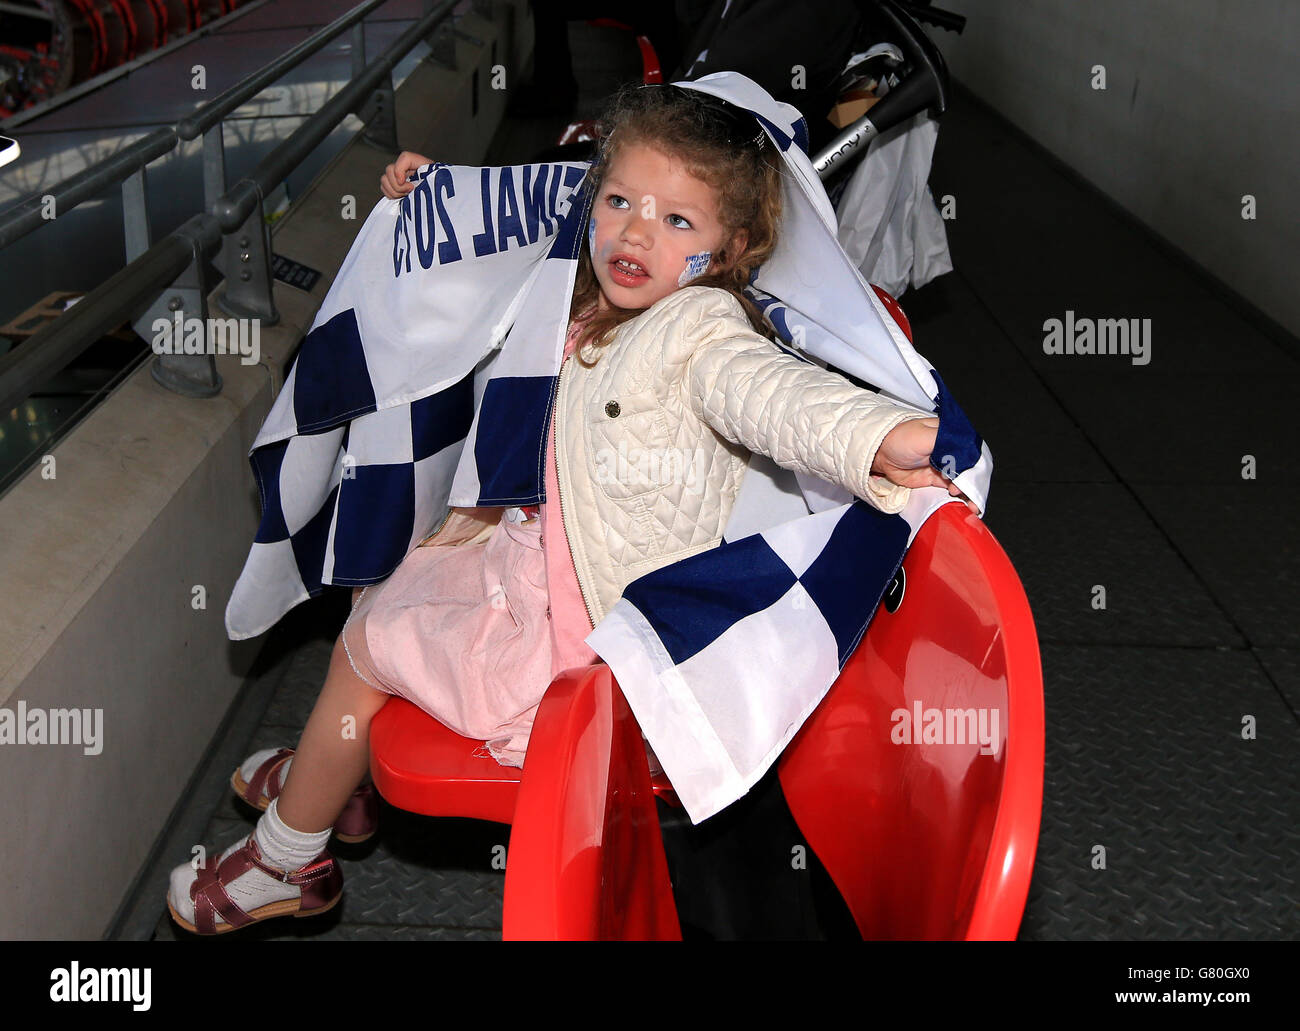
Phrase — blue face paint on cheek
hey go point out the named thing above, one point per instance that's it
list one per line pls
(599, 255)
(696, 266)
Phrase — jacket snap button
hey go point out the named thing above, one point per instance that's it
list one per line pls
(548, 612)
(612, 409)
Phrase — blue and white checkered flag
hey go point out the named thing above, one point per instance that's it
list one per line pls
(425, 383)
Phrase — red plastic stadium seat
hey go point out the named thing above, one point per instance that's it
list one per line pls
(923, 840)
(586, 855)
(586, 858)
(420, 766)
(928, 841)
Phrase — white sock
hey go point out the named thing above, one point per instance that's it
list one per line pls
(281, 847)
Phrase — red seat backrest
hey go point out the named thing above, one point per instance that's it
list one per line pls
(931, 840)
(586, 859)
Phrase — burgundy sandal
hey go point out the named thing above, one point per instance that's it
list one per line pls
(320, 883)
(357, 823)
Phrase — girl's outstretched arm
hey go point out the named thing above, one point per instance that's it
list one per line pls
(805, 417)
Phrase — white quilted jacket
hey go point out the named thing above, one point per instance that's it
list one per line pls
(652, 443)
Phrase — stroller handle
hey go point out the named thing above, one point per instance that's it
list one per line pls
(925, 86)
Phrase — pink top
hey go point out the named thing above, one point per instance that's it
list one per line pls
(570, 622)
(464, 632)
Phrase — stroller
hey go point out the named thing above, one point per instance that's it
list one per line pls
(928, 841)
(871, 86)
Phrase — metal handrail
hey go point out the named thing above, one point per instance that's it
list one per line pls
(233, 208)
(157, 270)
(111, 303)
(27, 215)
(214, 110)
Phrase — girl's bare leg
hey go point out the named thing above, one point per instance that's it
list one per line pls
(329, 763)
(333, 754)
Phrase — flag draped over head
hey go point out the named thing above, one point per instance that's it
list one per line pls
(426, 382)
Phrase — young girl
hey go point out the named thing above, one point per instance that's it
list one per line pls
(477, 621)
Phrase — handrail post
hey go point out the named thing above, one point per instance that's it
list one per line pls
(193, 375)
(135, 215)
(442, 46)
(190, 375)
(246, 261)
(358, 49)
(379, 112)
(214, 164)
(380, 115)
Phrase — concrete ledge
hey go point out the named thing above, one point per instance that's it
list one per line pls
(151, 499)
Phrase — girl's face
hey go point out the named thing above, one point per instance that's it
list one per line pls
(654, 227)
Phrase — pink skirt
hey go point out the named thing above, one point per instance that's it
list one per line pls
(462, 631)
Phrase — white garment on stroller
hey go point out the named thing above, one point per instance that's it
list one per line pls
(888, 222)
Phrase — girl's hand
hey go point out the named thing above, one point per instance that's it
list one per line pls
(904, 458)
(393, 182)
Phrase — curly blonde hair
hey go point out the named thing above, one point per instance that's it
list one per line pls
(721, 146)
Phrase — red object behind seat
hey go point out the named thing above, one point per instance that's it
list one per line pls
(651, 72)
(892, 306)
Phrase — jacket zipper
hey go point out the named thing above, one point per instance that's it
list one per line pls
(555, 409)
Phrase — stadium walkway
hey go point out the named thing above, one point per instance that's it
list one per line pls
(1109, 474)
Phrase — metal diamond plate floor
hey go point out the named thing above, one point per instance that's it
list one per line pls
(1161, 819)
(418, 878)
